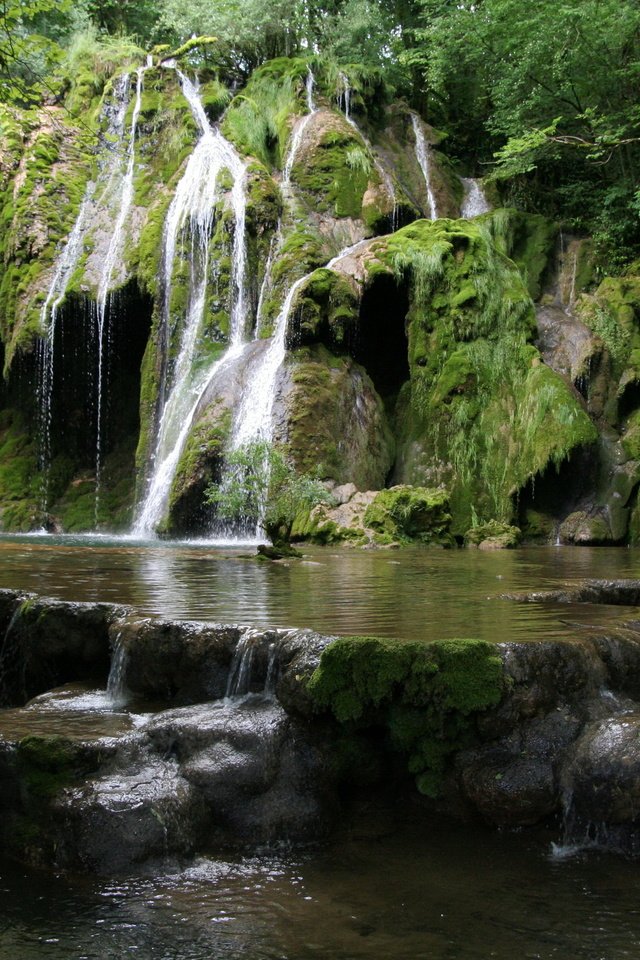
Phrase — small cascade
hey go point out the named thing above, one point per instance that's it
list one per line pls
(254, 419)
(117, 693)
(298, 132)
(111, 261)
(474, 202)
(343, 97)
(423, 157)
(192, 212)
(249, 663)
(96, 192)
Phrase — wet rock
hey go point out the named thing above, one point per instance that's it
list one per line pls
(119, 821)
(602, 779)
(586, 529)
(176, 661)
(493, 536)
(614, 592)
(50, 642)
(514, 782)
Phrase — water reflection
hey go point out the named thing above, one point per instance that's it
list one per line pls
(413, 593)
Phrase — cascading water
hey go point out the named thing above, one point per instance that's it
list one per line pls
(424, 161)
(254, 420)
(298, 133)
(114, 252)
(192, 209)
(474, 202)
(96, 193)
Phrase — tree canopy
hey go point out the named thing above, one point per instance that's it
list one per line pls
(544, 97)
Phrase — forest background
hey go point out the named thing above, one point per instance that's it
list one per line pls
(542, 97)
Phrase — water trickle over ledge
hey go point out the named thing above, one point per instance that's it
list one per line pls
(209, 735)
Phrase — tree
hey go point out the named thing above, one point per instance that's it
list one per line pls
(261, 486)
(28, 48)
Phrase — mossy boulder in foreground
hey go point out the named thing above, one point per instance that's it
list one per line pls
(423, 695)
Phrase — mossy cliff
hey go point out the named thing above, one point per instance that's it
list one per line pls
(414, 361)
(479, 413)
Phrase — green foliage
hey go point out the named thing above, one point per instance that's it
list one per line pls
(263, 486)
(551, 92)
(425, 696)
(258, 120)
(491, 414)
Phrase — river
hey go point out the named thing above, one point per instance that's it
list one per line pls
(392, 884)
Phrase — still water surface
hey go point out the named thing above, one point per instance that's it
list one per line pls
(385, 889)
(413, 593)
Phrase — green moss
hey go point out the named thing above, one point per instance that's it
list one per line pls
(482, 414)
(326, 311)
(497, 534)
(258, 119)
(529, 239)
(20, 479)
(324, 392)
(424, 695)
(201, 456)
(631, 436)
(405, 514)
(47, 764)
(325, 176)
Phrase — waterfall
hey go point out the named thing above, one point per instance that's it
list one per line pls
(474, 202)
(423, 157)
(247, 665)
(117, 693)
(254, 418)
(344, 96)
(300, 127)
(192, 210)
(65, 266)
(111, 260)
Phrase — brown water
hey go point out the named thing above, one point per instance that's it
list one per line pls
(413, 593)
(386, 889)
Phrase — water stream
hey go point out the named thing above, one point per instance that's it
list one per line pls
(110, 265)
(474, 203)
(424, 161)
(390, 884)
(192, 213)
(98, 194)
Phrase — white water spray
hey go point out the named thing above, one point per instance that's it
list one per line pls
(424, 160)
(474, 202)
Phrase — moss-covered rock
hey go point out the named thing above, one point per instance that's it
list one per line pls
(425, 696)
(481, 413)
(405, 514)
(493, 536)
(323, 435)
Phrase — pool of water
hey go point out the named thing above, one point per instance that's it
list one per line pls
(393, 884)
(413, 593)
(442, 892)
